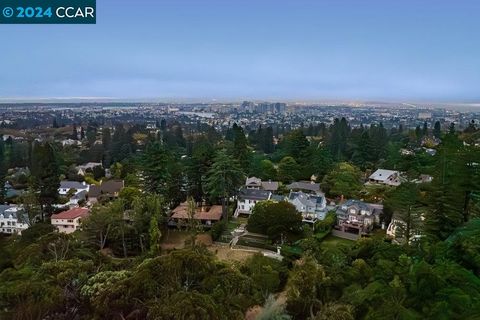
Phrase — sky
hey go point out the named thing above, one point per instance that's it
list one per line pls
(398, 50)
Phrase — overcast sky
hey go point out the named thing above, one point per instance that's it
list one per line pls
(251, 49)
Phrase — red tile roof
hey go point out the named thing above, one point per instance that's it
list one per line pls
(201, 213)
(71, 214)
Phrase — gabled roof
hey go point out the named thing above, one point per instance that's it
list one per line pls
(65, 184)
(307, 200)
(382, 174)
(277, 197)
(3, 208)
(270, 185)
(253, 181)
(371, 208)
(15, 211)
(253, 194)
(107, 187)
(304, 185)
(71, 214)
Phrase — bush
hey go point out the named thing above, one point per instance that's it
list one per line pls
(218, 229)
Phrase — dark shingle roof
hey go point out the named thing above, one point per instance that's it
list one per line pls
(253, 194)
(107, 187)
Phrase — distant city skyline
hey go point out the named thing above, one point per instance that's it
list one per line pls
(288, 50)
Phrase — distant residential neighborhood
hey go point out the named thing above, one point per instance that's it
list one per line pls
(100, 195)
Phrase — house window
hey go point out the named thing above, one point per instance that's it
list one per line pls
(352, 211)
(71, 221)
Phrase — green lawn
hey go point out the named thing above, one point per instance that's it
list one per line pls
(331, 241)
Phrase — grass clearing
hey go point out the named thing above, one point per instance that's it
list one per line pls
(332, 241)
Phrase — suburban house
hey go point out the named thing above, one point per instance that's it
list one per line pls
(305, 186)
(358, 217)
(66, 186)
(82, 169)
(253, 191)
(386, 177)
(258, 184)
(10, 220)
(206, 215)
(311, 206)
(107, 190)
(69, 221)
(247, 198)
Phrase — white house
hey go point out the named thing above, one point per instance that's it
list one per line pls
(313, 207)
(386, 177)
(66, 186)
(247, 198)
(69, 221)
(9, 220)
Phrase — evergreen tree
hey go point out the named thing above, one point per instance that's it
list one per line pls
(338, 138)
(240, 147)
(296, 145)
(162, 173)
(74, 132)
(268, 146)
(437, 130)
(447, 197)
(406, 205)
(45, 175)
(288, 170)
(3, 169)
(155, 235)
(223, 179)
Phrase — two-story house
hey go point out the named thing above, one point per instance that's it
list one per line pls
(247, 198)
(69, 221)
(358, 217)
(311, 206)
(11, 220)
(252, 192)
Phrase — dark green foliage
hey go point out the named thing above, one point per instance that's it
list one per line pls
(278, 220)
(223, 179)
(342, 181)
(114, 269)
(288, 170)
(45, 175)
(218, 229)
(269, 275)
(162, 173)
